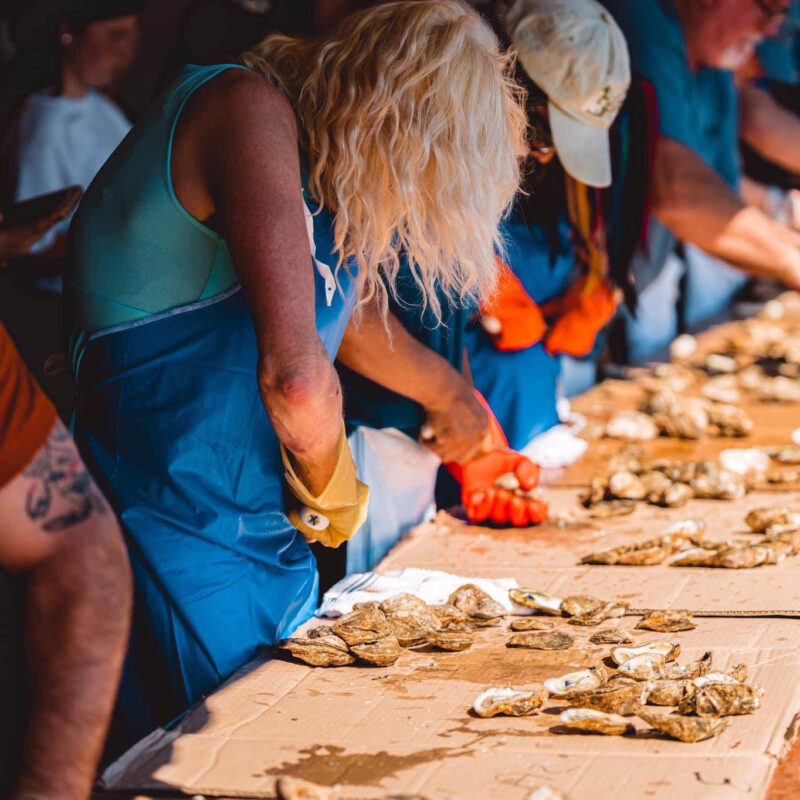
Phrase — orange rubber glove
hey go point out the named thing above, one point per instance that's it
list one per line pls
(586, 308)
(511, 317)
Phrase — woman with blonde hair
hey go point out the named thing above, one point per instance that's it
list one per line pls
(218, 257)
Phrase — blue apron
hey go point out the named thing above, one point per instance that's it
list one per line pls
(521, 387)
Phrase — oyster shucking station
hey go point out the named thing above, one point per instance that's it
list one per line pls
(646, 636)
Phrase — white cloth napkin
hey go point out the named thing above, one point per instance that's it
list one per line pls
(432, 586)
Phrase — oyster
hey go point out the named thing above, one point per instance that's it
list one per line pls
(322, 651)
(612, 508)
(509, 481)
(381, 653)
(673, 496)
(694, 669)
(668, 691)
(786, 455)
(508, 702)
(585, 680)
(476, 604)
(542, 640)
(667, 650)
(739, 672)
(787, 475)
(722, 389)
(581, 605)
(719, 485)
(685, 729)
(761, 520)
(319, 630)
(779, 389)
(532, 624)
(625, 486)
(722, 700)
(541, 601)
(645, 667)
(631, 426)
(611, 636)
(683, 347)
(729, 420)
(405, 606)
(719, 364)
(610, 610)
(361, 626)
(450, 640)
(666, 621)
(613, 698)
(289, 788)
(448, 617)
(587, 719)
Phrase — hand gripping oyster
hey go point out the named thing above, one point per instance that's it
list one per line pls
(587, 719)
(531, 624)
(321, 651)
(381, 653)
(669, 621)
(476, 604)
(585, 680)
(510, 703)
(540, 601)
(542, 640)
(611, 636)
(613, 698)
(722, 700)
(645, 667)
(667, 650)
(361, 626)
(450, 639)
(682, 728)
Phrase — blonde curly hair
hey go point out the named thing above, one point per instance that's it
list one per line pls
(413, 129)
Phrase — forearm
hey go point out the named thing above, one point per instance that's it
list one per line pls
(77, 620)
(701, 209)
(770, 129)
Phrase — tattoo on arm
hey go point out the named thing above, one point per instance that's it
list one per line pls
(61, 493)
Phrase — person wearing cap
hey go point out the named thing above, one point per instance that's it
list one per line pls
(62, 134)
(687, 50)
(556, 295)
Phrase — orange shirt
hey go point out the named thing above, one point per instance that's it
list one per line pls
(26, 415)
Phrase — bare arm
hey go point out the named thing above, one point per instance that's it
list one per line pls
(701, 209)
(57, 530)
(770, 129)
(250, 148)
(406, 366)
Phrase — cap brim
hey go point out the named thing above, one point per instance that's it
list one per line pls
(583, 150)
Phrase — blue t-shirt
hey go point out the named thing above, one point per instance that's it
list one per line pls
(780, 54)
(698, 108)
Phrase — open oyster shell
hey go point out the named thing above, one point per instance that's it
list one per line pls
(508, 702)
(685, 729)
(667, 621)
(587, 719)
(540, 601)
(585, 680)
(321, 651)
(644, 667)
(613, 698)
(667, 650)
(542, 640)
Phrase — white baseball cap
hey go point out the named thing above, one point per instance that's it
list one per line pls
(574, 51)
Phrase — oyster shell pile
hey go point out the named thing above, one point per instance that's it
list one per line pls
(581, 609)
(508, 702)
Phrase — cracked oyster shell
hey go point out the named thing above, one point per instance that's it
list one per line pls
(669, 621)
(579, 605)
(667, 650)
(321, 651)
(508, 702)
(611, 636)
(631, 426)
(450, 640)
(625, 486)
(585, 680)
(532, 624)
(668, 691)
(692, 670)
(542, 640)
(541, 601)
(448, 617)
(610, 610)
(475, 603)
(684, 729)
(761, 520)
(612, 508)
(360, 626)
(587, 719)
(644, 667)
(381, 653)
(613, 698)
(289, 788)
(722, 700)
